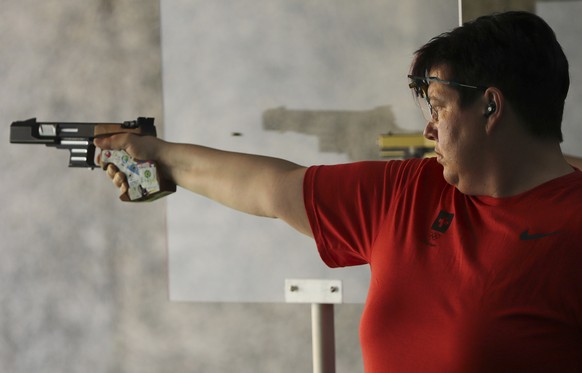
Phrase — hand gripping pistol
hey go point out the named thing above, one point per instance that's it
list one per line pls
(145, 184)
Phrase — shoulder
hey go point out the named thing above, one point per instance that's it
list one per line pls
(383, 177)
(374, 180)
(417, 167)
(567, 188)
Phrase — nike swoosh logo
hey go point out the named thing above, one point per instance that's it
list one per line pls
(526, 236)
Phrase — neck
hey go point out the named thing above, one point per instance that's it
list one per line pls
(522, 165)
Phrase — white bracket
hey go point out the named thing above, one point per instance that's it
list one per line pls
(313, 291)
(322, 294)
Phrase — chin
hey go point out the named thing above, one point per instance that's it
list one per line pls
(451, 177)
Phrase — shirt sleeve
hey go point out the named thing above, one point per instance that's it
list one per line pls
(345, 205)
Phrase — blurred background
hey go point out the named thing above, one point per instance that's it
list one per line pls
(83, 277)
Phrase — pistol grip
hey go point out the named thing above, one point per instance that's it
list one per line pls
(142, 177)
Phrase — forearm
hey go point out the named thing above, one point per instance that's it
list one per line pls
(254, 184)
(240, 181)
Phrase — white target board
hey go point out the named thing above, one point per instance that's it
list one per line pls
(314, 82)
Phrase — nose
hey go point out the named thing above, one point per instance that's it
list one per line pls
(430, 131)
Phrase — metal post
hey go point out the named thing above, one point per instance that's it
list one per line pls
(322, 295)
(323, 338)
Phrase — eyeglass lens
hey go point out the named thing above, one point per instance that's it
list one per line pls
(420, 96)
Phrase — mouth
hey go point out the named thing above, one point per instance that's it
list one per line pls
(439, 156)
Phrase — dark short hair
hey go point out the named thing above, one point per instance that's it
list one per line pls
(516, 52)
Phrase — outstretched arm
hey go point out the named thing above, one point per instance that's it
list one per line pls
(254, 184)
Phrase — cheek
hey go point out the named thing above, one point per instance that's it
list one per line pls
(448, 137)
(463, 147)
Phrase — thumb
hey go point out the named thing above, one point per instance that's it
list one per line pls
(114, 142)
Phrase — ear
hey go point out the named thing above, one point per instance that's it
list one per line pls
(493, 107)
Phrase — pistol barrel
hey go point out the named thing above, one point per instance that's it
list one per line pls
(75, 137)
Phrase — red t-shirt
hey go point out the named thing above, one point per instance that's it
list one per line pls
(458, 283)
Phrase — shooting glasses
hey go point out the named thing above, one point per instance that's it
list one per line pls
(419, 87)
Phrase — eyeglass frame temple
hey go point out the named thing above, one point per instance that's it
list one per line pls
(416, 79)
